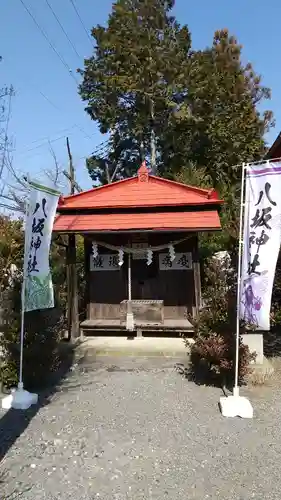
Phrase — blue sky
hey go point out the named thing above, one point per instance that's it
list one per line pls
(47, 106)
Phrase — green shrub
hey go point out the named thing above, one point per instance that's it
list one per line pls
(41, 340)
(42, 328)
(213, 351)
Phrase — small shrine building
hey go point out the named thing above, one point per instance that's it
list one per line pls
(141, 251)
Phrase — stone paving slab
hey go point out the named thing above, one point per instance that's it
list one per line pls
(142, 346)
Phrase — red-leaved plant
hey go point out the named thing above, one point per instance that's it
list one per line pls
(213, 351)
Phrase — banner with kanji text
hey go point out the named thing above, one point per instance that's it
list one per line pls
(261, 242)
(38, 287)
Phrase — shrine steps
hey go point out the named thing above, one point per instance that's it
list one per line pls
(170, 327)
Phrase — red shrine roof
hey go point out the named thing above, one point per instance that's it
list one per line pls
(196, 221)
(274, 150)
(145, 190)
(86, 211)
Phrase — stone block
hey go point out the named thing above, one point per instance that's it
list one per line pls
(255, 343)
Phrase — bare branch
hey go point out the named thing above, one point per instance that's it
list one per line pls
(5, 144)
(76, 185)
(14, 190)
(11, 208)
(53, 175)
(56, 175)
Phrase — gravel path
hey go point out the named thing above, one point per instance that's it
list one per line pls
(139, 430)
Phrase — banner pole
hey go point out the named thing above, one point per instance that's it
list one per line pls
(20, 384)
(236, 405)
(19, 398)
(240, 248)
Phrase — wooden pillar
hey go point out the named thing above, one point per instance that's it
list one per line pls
(72, 290)
(87, 253)
(130, 316)
(197, 279)
(129, 277)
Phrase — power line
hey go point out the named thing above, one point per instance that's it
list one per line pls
(62, 111)
(29, 157)
(58, 108)
(47, 138)
(49, 101)
(81, 21)
(43, 33)
(101, 147)
(101, 150)
(63, 30)
(45, 143)
(55, 106)
(83, 132)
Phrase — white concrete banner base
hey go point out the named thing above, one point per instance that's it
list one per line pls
(236, 406)
(19, 399)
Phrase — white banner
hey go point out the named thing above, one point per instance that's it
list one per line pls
(262, 237)
(38, 285)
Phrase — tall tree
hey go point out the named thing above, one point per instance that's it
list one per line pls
(134, 83)
(118, 159)
(227, 127)
(200, 108)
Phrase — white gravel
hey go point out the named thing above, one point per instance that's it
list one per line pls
(141, 431)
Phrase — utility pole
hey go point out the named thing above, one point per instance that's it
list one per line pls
(72, 285)
(71, 168)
